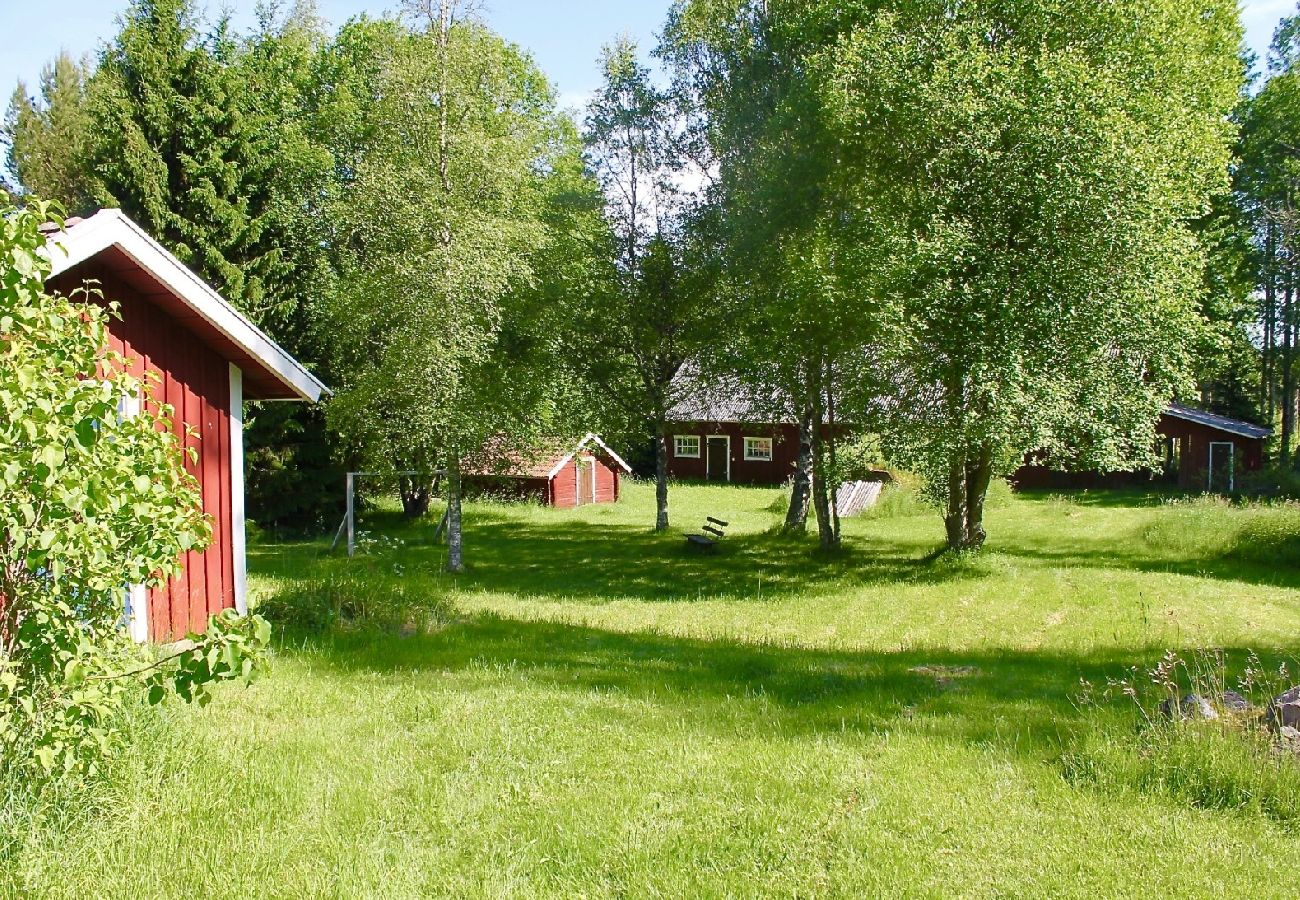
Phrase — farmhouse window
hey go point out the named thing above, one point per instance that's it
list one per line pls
(686, 446)
(758, 449)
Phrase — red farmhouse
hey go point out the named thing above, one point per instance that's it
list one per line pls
(208, 360)
(561, 475)
(724, 434)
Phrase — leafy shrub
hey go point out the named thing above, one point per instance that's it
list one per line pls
(1275, 481)
(859, 458)
(91, 500)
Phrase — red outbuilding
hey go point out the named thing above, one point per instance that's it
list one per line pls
(557, 474)
(1202, 451)
(208, 359)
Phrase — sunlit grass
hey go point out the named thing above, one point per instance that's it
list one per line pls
(596, 710)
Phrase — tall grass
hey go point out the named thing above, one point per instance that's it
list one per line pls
(1210, 527)
(359, 596)
(1207, 765)
(1232, 761)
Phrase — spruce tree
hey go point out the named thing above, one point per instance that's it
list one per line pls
(173, 148)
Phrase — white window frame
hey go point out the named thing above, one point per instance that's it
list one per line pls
(771, 447)
(677, 448)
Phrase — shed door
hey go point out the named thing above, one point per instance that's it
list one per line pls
(1222, 457)
(586, 475)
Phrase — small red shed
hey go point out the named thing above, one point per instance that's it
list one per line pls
(558, 474)
(208, 359)
(1206, 451)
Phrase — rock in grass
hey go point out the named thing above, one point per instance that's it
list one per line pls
(1189, 706)
(1233, 702)
(1288, 739)
(1284, 711)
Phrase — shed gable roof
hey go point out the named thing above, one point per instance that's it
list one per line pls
(544, 460)
(1221, 423)
(270, 372)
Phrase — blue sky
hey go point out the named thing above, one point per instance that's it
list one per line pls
(564, 35)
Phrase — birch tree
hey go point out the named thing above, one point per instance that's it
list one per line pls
(440, 229)
(645, 321)
(1046, 161)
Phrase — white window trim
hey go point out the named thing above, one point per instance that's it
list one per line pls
(771, 447)
(699, 446)
(705, 447)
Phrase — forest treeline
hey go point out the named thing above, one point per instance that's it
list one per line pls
(976, 230)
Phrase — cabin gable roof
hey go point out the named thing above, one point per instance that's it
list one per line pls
(112, 238)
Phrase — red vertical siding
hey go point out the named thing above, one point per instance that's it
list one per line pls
(195, 381)
(777, 470)
(606, 482)
(564, 486)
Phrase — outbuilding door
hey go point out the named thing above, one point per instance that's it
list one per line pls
(718, 459)
(586, 477)
(1222, 463)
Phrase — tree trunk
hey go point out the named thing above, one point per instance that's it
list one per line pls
(661, 477)
(416, 496)
(969, 476)
(1288, 370)
(455, 553)
(954, 521)
(796, 517)
(826, 534)
(1269, 350)
(979, 472)
(830, 448)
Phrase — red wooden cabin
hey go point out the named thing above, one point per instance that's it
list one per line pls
(724, 433)
(559, 474)
(208, 359)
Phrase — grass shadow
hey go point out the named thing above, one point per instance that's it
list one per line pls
(1016, 700)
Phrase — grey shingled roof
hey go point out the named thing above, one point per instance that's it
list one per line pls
(1222, 423)
(725, 400)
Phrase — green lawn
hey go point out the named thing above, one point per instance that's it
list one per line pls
(605, 713)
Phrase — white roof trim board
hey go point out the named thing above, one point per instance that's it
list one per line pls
(110, 227)
(591, 438)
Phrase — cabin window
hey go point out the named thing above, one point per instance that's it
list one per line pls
(686, 446)
(758, 449)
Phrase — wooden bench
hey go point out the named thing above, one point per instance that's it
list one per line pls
(715, 533)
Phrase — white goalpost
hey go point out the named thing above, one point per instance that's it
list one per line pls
(349, 523)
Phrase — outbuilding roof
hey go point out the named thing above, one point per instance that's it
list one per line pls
(544, 460)
(121, 245)
(1221, 423)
